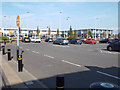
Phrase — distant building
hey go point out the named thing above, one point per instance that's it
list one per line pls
(96, 33)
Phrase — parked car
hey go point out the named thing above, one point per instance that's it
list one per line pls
(75, 41)
(114, 46)
(48, 40)
(90, 41)
(115, 39)
(107, 40)
(32, 39)
(26, 39)
(82, 39)
(37, 40)
(11, 36)
(43, 37)
(61, 41)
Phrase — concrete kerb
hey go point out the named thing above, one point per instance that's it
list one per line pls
(17, 81)
(11, 76)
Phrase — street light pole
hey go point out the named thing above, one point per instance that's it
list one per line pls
(67, 20)
(60, 20)
(27, 24)
(96, 27)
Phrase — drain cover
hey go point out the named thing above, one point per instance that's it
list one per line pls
(29, 83)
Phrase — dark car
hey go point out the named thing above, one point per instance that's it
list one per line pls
(26, 39)
(75, 41)
(114, 46)
(61, 41)
(115, 39)
(48, 40)
(106, 40)
(43, 37)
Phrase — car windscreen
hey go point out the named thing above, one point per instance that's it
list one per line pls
(88, 39)
(93, 39)
(37, 38)
(26, 38)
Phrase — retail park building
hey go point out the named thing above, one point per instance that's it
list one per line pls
(97, 33)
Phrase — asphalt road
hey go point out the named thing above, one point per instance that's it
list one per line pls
(80, 64)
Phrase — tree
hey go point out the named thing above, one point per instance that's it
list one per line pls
(38, 31)
(90, 33)
(58, 32)
(49, 31)
(85, 35)
(104, 34)
(19, 30)
(70, 32)
(97, 35)
(75, 33)
(119, 35)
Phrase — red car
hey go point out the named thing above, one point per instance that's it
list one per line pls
(90, 41)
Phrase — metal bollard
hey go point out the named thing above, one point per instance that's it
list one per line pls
(60, 82)
(17, 54)
(9, 54)
(0, 46)
(3, 50)
(103, 85)
(4, 42)
(20, 65)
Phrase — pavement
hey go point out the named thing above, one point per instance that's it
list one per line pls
(81, 65)
(11, 78)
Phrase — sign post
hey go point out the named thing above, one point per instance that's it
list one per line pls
(18, 23)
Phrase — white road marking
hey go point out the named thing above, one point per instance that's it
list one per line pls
(49, 56)
(108, 52)
(35, 52)
(27, 49)
(71, 63)
(44, 86)
(108, 75)
(60, 46)
(21, 47)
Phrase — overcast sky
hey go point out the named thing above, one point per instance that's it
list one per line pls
(43, 14)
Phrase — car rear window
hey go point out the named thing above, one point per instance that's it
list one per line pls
(64, 39)
(93, 39)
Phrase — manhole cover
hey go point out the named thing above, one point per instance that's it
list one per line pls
(29, 83)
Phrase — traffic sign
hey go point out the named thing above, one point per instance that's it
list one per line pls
(18, 21)
(10, 31)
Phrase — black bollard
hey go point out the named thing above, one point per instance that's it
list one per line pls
(104, 86)
(0, 46)
(4, 42)
(17, 54)
(60, 82)
(9, 54)
(3, 50)
(20, 65)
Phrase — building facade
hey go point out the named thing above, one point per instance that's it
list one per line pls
(96, 33)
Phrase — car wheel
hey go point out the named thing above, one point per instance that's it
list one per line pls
(80, 43)
(110, 48)
(60, 43)
(91, 43)
(75, 43)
